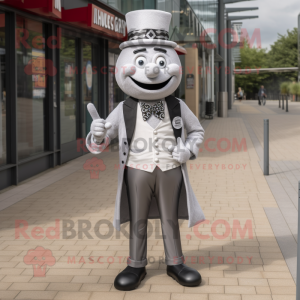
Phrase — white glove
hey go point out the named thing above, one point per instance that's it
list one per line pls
(180, 153)
(98, 129)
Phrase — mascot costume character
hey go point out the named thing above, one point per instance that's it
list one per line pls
(157, 134)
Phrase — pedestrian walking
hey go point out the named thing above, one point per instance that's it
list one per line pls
(262, 96)
(240, 94)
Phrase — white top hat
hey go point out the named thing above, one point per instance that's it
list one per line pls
(148, 27)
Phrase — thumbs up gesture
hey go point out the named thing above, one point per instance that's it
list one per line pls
(99, 126)
(180, 152)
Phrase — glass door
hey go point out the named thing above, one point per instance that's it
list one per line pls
(115, 94)
(68, 95)
(31, 88)
(89, 83)
(3, 150)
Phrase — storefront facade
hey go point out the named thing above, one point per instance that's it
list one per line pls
(57, 56)
(194, 27)
(54, 61)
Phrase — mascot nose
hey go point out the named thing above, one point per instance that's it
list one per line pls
(152, 70)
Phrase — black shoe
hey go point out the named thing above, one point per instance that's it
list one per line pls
(184, 275)
(130, 278)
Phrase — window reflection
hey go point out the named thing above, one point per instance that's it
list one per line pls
(128, 5)
(3, 151)
(68, 70)
(115, 94)
(89, 82)
(31, 86)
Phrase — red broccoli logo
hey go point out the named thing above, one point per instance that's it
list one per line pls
(94, 165)
(39, 258)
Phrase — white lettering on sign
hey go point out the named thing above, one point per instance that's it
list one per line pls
(57, 5)
(112, 23)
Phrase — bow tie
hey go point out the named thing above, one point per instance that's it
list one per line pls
(158, 110)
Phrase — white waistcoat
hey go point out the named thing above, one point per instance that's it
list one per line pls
(155, 142)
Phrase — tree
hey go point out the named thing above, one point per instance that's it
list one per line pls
(283, 53)
(251, 58)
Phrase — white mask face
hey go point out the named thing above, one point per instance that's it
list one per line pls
(148, 72)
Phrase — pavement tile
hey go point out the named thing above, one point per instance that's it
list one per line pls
(20, 286)
(244, 274)
(72, 296)
(240, 290)
(256, 297)
(185, 296)
(223, 281)
(281, 282)
(146, 296)
(16, 278)
(4, 285)
(93, 287)
(205, 289)
(274, 275)
(36, 295)
(253, 282)
(52, 278)
(166, 288)
(224, 297)
(9, 294)
(283, 297)
(67, 287)
(108, 295)
(282, 290)
(263, 290)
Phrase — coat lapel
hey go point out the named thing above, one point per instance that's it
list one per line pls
(129, 112)
(174, 111)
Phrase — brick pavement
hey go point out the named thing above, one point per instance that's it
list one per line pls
(229, 185)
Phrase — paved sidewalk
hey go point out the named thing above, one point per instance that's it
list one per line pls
(238, 251)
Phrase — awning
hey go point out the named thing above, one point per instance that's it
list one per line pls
(180, 50)
(49, 8)
(97, 19)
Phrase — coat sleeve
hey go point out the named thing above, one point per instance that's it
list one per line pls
(114, 118)
(194, 130)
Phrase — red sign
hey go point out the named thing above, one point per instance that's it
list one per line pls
(104, 21)
(95, 18)
(50, 8)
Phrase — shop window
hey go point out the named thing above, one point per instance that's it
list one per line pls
(3, 151)
(115, 94)
(132, 5)
(31, 87)
(68, 71)
(89, 82)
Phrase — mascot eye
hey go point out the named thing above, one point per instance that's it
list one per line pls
(140, 61)
(161, 62)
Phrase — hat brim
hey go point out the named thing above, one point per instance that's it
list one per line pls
(147, 42)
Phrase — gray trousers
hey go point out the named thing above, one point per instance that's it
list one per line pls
(166, 187)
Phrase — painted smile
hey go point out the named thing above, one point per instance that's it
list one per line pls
(152, 87)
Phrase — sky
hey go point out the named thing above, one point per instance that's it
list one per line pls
(274, 16)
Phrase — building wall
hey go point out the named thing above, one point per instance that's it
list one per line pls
(192, 93)
(45, 88)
